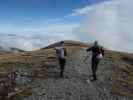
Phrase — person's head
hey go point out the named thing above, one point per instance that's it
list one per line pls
(62, 43)
(95, 43)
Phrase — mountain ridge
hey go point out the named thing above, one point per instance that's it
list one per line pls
(39, 74)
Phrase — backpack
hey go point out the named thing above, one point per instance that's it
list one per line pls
(100, 54)
(61, 52)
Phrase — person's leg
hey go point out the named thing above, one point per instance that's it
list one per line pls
(96, 67)
(62, 71)
(93, 68)
(62, 66)
(97, 63)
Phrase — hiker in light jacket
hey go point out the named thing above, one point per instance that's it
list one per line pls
(61, 53)
(97, 54)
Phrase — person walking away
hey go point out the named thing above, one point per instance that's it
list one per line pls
(97, 55)
(61, 53)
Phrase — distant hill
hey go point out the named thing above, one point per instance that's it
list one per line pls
(69, 43)
(4, 50)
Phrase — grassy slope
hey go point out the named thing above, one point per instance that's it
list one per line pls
(123, 77)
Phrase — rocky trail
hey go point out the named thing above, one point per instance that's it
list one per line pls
(74, 85)
(41, 81)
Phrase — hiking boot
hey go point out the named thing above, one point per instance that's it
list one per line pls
(94, 79)
(61, 75)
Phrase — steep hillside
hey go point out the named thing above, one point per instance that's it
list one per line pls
(38, 75)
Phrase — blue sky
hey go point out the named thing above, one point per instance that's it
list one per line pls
(32, 24)
(22, 17)
(29, 12)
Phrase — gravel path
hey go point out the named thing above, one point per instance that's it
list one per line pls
(75, 86)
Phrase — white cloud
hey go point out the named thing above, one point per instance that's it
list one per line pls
(80, 11)
(29, 38)
(84, 10)
(109, 22)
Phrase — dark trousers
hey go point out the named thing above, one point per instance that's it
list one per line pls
(94, 66)
(62, 62)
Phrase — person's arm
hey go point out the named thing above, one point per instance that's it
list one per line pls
(65, 51)
(89, 49)
(56, 51)
(55, 48)
(103, 52)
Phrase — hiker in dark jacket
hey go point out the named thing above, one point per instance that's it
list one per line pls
(97, 54)
(61, 53)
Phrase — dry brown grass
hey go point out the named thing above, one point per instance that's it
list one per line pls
(123, 78)
(34, 60)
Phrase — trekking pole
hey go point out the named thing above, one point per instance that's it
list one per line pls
(86, 58)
